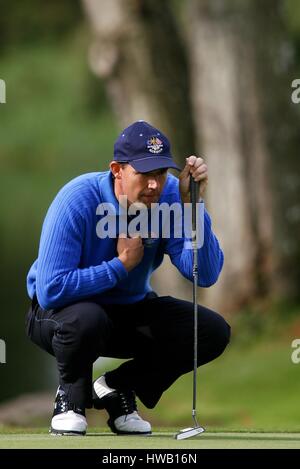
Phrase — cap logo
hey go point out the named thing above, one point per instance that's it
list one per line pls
(155, 145)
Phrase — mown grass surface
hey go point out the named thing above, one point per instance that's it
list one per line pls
(158, 440)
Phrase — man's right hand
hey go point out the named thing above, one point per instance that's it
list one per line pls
(130, 250)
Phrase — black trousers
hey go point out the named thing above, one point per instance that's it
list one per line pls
(155, 335)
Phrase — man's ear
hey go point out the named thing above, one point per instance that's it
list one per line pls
(115, 168)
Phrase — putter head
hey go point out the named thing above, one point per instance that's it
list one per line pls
(189, 433)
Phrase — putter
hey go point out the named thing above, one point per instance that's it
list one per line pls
(196, 429)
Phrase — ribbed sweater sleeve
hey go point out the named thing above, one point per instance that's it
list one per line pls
(210, 256)
(59, 278)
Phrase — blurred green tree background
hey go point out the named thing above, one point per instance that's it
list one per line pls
(55, 124)
(60, 120)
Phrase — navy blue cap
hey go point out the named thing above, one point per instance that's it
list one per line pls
(144, 147)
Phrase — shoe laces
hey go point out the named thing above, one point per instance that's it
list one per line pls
(62, 405)
(127, 401)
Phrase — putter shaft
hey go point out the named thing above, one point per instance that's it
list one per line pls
(196, 430)
(194, 197)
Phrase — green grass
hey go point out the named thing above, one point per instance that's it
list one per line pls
(158, 440)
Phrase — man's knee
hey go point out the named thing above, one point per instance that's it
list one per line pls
(92, 318)
(219, 332)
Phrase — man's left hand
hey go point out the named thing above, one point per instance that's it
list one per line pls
(199, 171)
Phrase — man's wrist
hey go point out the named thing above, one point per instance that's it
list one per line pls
(123, 259)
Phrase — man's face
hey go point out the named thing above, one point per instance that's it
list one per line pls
(142, 187)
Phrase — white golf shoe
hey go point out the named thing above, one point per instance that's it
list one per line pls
(67, 418)
(121, 408)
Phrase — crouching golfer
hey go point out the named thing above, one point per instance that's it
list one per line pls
(91, 294)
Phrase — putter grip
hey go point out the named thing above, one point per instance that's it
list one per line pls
(194, 194)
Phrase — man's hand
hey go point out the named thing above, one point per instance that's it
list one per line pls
(198, 169)
(130, 250)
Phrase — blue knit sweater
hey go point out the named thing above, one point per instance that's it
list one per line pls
(74, 263)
